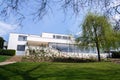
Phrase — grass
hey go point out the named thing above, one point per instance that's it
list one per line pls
(3, 58)
(60, 71)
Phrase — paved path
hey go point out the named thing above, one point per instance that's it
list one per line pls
(12, 60)
(5, 63)
(116, 60)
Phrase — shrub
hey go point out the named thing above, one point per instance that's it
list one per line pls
(0, 51)
(115, 54)
(45, 55)
(9, 52)
(73, 59)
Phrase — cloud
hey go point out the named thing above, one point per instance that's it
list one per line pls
(5, 28)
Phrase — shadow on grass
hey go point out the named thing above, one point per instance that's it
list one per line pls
(51, 72)
(24, 75)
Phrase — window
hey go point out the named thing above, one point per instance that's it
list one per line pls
(20, 47)
(58, 37)
(54, 36)
(65, 37)
(22, 38)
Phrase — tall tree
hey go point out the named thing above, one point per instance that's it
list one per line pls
(1, 42)
(97, 31)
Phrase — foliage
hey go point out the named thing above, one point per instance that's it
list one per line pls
(8, 52)
(1, 42)
(115, 54)
(97, 31)
(73, 59)
(60, 71)
(40, 54)
(45, 54)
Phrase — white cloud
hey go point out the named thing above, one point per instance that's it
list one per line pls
(5, 28)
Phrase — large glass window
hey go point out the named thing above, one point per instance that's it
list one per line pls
(58, 37)
(20, 47)
(61, 37)
(65, 37)
(22, 38)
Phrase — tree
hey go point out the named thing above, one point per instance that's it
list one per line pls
(97, 31)
(1, 42)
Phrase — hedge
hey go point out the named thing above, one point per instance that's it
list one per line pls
(8, 52)
(115, 54)
(73, 59)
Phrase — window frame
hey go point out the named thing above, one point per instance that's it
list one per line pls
(22, 38)
(19, 48)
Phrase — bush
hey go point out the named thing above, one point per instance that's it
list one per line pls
(115, 54)
(9, 52)
(73, 59)
(0, 51)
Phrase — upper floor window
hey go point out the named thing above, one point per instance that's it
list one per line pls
(61, 37)
(54, 36)
(22, 38)
(65, 37)
(58, 37)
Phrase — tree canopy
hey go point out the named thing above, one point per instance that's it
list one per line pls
(1, 42)
(97, 31)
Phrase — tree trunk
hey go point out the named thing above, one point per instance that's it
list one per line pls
(98, 51)
(97, 43)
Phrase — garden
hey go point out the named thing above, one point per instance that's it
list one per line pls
(40, 65)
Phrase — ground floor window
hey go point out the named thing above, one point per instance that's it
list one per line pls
(20, 47)
(72, 48)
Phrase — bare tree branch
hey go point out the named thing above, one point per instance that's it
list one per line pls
(14, 7)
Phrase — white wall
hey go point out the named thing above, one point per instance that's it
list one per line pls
(13, 39)
(50, 35)
(46, 37)
(49, 40)
(13, 42)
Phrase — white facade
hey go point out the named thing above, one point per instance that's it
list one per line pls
(19, 42)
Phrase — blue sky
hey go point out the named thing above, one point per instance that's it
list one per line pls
(50, 24)
(56, 22)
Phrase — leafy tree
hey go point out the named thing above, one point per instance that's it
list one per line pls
(97, 31)
(1, 42)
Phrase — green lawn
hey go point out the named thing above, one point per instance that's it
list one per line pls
(60, 71)
(3, 58)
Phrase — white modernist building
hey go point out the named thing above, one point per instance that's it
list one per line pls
(20, 42)
(59, 42)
